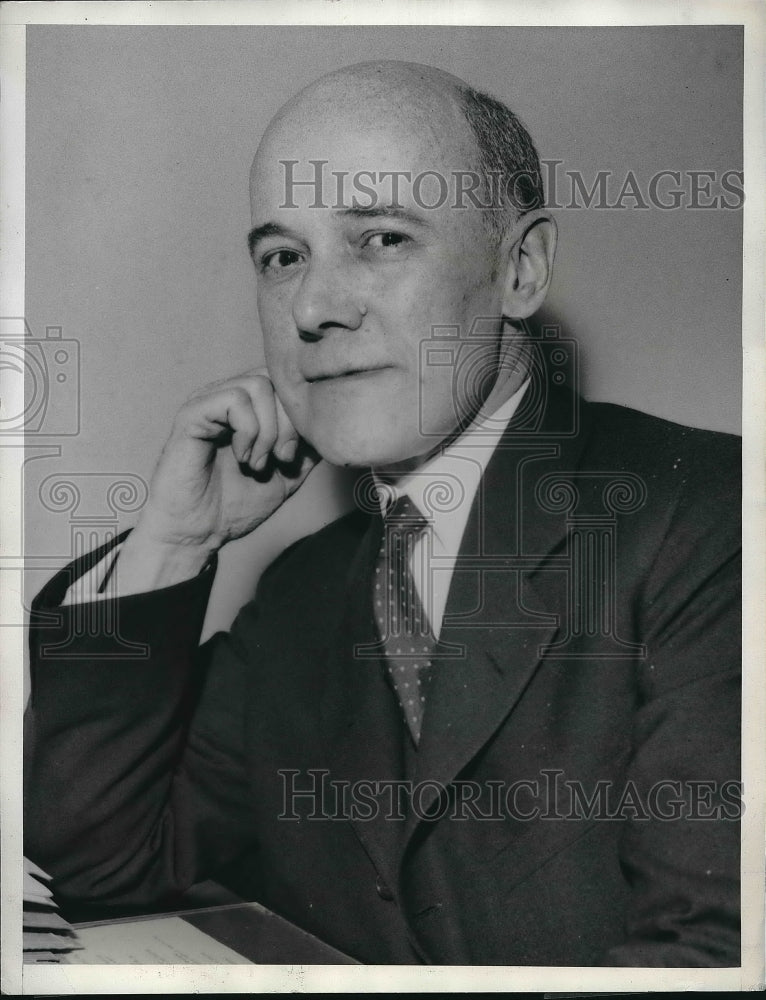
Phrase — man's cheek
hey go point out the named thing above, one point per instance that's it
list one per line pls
(436, 392)
(294, 399)
(288, 385)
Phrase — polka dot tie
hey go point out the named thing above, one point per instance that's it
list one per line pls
(401, 619)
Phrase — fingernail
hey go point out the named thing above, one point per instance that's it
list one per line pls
(260, 465)
(287, 451)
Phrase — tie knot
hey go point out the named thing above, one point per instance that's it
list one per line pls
(404, 513)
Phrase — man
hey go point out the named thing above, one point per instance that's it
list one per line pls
(489, 717)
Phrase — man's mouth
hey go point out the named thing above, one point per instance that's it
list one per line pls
(347, 373)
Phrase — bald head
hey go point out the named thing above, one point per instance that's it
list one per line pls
(465, 130)
(422, 96)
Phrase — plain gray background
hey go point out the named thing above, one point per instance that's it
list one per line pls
(139, 143)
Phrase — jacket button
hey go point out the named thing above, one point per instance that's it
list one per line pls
(382, 889)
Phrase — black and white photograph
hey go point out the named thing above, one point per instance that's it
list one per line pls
(375, 393)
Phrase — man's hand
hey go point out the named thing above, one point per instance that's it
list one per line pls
(232, 458)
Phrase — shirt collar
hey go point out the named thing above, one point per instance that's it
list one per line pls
(444, 487)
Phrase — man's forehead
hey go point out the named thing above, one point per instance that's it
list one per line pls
(385, 115)
(345, 162)
(348, 141)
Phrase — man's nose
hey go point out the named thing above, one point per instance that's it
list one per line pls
(329, 296)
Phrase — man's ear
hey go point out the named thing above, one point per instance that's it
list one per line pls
(528, 250)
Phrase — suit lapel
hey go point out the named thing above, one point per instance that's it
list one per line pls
(505, 603)
(360, 720)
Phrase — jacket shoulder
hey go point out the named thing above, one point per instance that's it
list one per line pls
(311, 572)
(334, 542)
(662, 450)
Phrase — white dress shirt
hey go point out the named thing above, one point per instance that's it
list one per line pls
(443, 490)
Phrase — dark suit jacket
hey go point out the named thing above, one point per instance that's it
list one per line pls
(596, 608)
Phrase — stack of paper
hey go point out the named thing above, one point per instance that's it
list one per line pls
(47, 936)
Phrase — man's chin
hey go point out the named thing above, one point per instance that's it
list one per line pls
(363, 452)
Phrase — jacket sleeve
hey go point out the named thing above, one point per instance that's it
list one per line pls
(134, 780)
(680, 850)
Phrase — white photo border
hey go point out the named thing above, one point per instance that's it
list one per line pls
(63, 980)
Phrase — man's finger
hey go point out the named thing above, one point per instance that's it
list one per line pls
(286, 444)
(225, 416)
(243, 421)
(261, 393)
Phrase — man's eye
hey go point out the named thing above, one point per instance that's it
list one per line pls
(387, 239)
(279, 260)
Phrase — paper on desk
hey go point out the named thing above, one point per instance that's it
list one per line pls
(46, 920)
(166, 941)
(43, 958)
(35, 890)
(45, 941)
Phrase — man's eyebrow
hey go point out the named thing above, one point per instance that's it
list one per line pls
(259, 233)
